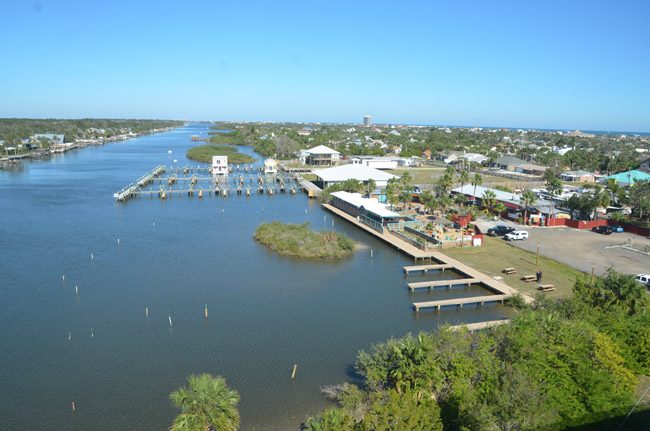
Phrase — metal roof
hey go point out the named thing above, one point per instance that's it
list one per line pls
(369, 204)
(352, 171)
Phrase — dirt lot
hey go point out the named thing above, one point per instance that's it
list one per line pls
(582, 248)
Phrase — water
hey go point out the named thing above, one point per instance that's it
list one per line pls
(266, 312)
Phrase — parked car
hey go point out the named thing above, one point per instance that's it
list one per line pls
(617, 229)
(643, 279)
(516, 235)
(603, 230)
(500, 230)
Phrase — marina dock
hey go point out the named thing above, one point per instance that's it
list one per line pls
(460, 302)
(442, 283)
(426, 268)
(480, 325)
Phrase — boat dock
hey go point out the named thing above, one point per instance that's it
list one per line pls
(426, 268)
(480, 325)
(460, 302)
(442, 283)
(312, 190)
(131, 190)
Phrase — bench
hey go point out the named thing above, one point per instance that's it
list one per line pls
(546, 287)
(528, 278)
(509, 271)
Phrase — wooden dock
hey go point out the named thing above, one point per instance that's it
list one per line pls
(426, 268)
(442, 283)
(480, 325)
(460, 302)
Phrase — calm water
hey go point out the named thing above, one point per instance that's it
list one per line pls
(265, 312)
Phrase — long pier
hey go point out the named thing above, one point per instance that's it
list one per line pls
(480, 325)
(426, 268)
(442, 283)
(460, 302)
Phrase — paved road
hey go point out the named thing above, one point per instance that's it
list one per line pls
(582, 248)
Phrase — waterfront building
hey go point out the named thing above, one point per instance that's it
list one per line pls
(367, 121)
(376, 162)
(320, 156)
(368, 211)
(220, 166)
(358, 172)
(270, 167)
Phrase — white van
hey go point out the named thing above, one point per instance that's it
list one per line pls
(516, 235)
(643, 279)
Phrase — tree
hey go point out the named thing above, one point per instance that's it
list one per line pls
(489, 199)
(371, 186)
(615, 290)
(554, 188)
(463, 177)
(207, 404)
(477, 180)
(528, 198)
(600, 198)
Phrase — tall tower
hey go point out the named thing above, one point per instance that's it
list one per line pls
(367, 121)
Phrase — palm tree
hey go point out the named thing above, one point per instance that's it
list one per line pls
(527, 198)
(489, 199)
(477, 181)
(463, 177)
(554, 188)
(207, 404)
(600, 199)
(371, 185)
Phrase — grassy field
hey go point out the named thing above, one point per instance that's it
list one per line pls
(298, 240)
(496, 254)
(430, 175)
(204, 153)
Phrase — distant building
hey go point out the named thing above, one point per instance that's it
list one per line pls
(376, 162)
(630, 177)
(645, 165)
(270, 166)
(220, 166)
(50, 137)
(320, 156)
(367, 121)
(361, 173)
(578, 177)
(513, 164)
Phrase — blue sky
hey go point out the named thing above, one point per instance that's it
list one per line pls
(548, 64)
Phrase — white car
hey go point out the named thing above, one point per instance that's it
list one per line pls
(516, 235)
(643, 279)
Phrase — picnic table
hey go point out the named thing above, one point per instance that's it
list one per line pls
(546, 287)
(528, 278)
(509, 271)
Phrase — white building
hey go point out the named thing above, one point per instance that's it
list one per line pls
(220, 166)
(270, 167)
(367, 121)
(376, 162)
(320, 156)
(360, 173)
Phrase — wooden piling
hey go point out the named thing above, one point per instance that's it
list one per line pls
(293, 372)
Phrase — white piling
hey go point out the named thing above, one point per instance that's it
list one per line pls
(332, 222)
(305, 210)
(69, 335)
(92, 333)
(118, 241)
(371, 253)
(146, 311)
(76, 289)
(170, 321)
(63, 277)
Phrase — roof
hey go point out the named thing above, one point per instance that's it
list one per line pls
(370, 205)
(576, 173)
(321, 149)
(468, 190)
(509, 160)
(630, 176)
(356, 172)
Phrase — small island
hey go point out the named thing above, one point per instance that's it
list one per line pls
(298, 240)
(204, 153)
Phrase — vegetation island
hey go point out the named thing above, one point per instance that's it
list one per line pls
(204, 153)
(298, 240)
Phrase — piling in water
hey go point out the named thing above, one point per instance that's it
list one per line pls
(293, 372)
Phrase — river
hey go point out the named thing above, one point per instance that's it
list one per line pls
(86, 338)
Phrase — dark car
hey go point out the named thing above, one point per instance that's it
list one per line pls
(500, 230)
(603, 230)
(617, 229)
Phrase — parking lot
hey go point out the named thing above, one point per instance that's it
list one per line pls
(582, 248)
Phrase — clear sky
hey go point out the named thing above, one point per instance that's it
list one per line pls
(548, 64)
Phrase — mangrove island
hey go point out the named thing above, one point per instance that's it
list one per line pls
(298, 240)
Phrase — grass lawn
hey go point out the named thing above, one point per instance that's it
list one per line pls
(309, 177)
(430, 175)
(496, 254)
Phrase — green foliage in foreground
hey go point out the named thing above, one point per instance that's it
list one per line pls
(559, 363)
(206, 403)
(204, 153)
(298, 240)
